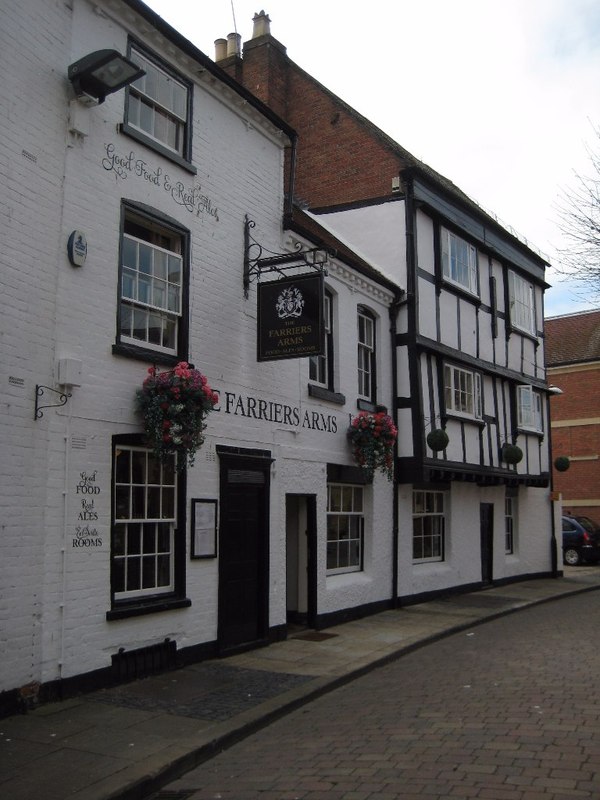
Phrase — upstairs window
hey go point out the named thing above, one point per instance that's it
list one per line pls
(529, 408)
(462, 391)
(521, 302)
(321, 367)
(366, 355)
(151, 285)
(159, 106)
(459, 261)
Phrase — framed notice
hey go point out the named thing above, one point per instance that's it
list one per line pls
(204, 529)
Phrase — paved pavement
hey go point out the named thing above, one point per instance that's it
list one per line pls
(125, 742)
(509, 710)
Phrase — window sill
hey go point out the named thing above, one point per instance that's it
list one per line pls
(366, 405)
(336, 580)
(321, 393)
(480, 423)
(527, 334)
(145, 354)
(140, 608)
(133, 133)
(457, 288)
(530, 432)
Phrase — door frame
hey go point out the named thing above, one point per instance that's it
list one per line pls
(311, 554)
(486, 536)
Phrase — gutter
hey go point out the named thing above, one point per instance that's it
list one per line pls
(393, 312)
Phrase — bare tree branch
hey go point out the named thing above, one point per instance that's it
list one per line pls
(579, 222)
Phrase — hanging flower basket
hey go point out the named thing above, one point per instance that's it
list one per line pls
(437, 439)
(511, 453)
(174, 406)
(373, 436)
(562, 463)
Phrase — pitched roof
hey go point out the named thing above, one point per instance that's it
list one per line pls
(572, 339)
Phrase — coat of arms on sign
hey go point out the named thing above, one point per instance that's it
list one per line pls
(289, 303)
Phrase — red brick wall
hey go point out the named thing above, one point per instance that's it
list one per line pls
(581, 394)
(339, 160)
(580, 401)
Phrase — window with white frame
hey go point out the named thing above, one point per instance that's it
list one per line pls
(345, 528)
(151, 285)
(510, 515)
(366, 355)
(459, 261)
(529, 408)
(158, 105)
(145, 508)
(429, 525)
(462, 389)
(321, 367)
(521, 300)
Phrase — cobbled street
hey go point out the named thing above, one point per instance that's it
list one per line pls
(509, 710)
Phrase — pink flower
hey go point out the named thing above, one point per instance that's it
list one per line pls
(182, 370)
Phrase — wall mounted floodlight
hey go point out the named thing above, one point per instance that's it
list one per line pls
(100, 73)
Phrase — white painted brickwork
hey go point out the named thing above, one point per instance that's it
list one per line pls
(54, 596)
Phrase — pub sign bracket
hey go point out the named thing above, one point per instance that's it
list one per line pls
(257, 262)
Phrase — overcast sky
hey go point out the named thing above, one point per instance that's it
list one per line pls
(501, 98)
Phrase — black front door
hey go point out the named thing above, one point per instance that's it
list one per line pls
(487, 541)
(243, 553)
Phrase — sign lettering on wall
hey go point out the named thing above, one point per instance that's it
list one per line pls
(86, 534)
(280, 413)
(290, 318)
(192, 198)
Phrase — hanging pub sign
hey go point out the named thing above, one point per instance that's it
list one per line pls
(290, 318)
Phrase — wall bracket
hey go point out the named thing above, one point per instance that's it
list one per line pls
(39, 393)
(256, 263)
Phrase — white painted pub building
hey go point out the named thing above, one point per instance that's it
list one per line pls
(139, 221)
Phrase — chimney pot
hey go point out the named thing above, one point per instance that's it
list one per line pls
(233, 44)
(220, 49)
(262, 25)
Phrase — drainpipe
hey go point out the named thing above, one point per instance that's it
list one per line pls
(289, 210)
(553, 543)
(411, 298)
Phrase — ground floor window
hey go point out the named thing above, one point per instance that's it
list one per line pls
(145, 518)
(510, 510)
(345, 528)
(428, 525)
